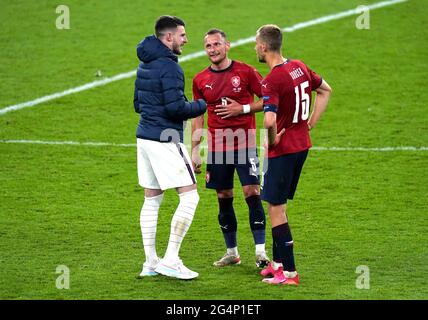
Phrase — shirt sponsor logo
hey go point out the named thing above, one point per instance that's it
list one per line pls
(265, 98)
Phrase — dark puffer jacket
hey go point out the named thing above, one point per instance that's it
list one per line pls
(159, 94)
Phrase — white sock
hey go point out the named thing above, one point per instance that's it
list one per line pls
(290, 274)
(148, 223)
(181, 222)
(232, 251)
(260, 248)
(276, 265)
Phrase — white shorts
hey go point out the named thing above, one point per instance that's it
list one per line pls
(163, 165)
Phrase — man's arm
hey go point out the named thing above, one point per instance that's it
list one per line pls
(176, 105)
(233, 108)
(323, 93)
(269, 123)
(197, 130)
(136, 103)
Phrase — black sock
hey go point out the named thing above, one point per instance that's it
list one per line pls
(275, 254)
(227, 221)
(284, 243)
(257, 219)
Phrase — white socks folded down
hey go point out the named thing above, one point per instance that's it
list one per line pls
(260, 250)
(180, 223)
(233, 251)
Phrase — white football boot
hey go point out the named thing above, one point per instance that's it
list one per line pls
(175, 270)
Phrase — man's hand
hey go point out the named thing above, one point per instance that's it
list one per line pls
(197, 137)
(232, 109)
(277, 139)
(196, 160)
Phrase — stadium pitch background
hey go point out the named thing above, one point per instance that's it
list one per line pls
(70, 200)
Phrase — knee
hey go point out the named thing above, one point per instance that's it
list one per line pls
(153, 200)
(251, 190)
(190, 197)
(223, 194)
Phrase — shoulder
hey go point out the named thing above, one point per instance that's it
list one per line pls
(269, 83)
(201, 75)
(274, 76)
(279, 77)
(169, 67)
(244, 66)
(299, 63)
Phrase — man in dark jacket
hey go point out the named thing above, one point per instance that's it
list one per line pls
(162, 159)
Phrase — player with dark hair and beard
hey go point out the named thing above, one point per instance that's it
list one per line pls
(162, 159)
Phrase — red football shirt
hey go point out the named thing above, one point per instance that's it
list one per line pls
(287, 90)
(239, 82)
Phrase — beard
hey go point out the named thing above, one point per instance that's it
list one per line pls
(176, 48)
(261, 59)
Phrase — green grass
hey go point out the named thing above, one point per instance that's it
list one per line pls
(79, 206)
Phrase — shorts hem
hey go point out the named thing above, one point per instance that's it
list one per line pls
(274, 202)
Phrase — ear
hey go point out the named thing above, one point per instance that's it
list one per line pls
(169, 37)
(227, 45)
(264, 47)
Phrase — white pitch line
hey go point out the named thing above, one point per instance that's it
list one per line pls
(382, 149)
(133, 145)
(71, 143)
(195, 55)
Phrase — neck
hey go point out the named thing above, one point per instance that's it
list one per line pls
(222, 65)
(166, 43)
(273, 59)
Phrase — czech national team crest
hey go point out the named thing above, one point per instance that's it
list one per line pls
(236, 82)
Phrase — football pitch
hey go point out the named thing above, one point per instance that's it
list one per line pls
(69, 190)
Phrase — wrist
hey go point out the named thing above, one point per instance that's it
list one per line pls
(246, 108)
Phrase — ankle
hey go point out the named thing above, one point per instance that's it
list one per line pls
(232, 251)
(260, 249)
(290, 274)
(276, 265)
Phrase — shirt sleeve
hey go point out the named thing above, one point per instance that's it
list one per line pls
(195, 89)
(270, 96)
(316, 79)
(254, 81)
(172, 81)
